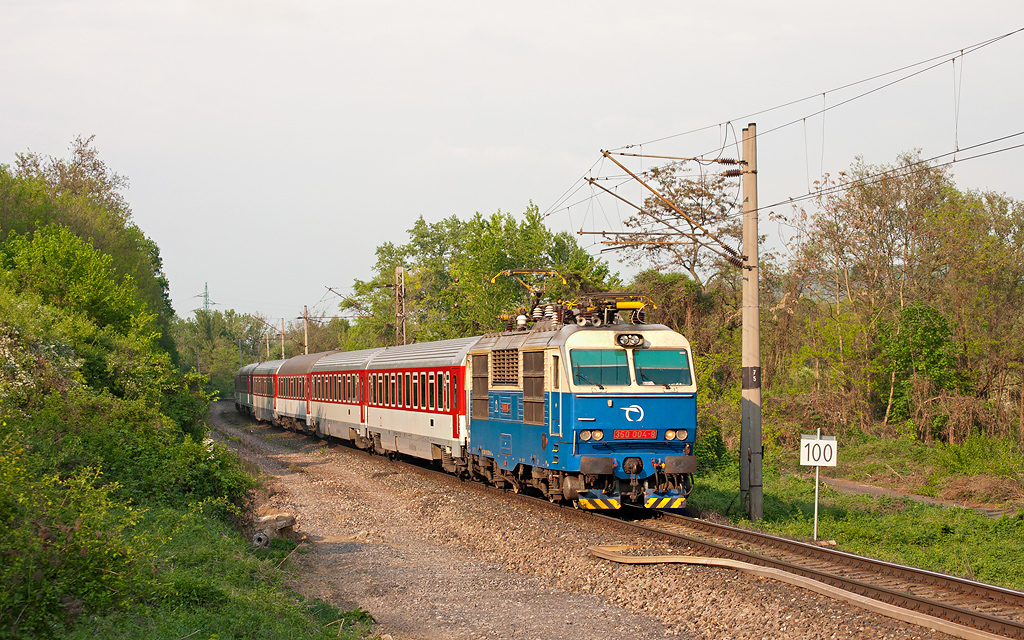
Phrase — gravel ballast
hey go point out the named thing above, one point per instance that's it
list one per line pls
(434, 559)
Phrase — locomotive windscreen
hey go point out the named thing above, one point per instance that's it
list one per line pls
(605, 367)
(662, 366)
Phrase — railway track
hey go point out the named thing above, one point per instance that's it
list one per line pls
(984, 607)
(987, 608)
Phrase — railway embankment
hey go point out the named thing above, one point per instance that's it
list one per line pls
(436, 559)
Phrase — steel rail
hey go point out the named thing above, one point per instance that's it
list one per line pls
(952, 613)
(941, 580)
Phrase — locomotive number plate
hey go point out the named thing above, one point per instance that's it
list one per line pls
(628, 434)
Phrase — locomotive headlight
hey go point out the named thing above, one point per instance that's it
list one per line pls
(585, 435)
(683, 434)
(598, 434)
(670, 434)
(629, 339)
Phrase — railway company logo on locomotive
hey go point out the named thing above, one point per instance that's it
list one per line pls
(631, 409)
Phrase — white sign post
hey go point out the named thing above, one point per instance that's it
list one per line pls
(818, 451)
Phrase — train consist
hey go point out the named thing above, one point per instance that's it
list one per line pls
(581, 403)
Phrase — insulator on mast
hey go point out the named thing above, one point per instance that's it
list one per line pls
(732, 173)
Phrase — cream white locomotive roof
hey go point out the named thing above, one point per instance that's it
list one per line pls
(541, 339)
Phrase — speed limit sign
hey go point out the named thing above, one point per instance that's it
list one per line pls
(817, 451)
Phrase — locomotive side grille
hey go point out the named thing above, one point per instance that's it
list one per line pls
(505, 366)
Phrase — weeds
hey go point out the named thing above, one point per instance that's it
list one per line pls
(949, 540)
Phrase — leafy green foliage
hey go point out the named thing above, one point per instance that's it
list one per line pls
(449, 266)
(81, 193)
(918, 346)
(69, 273)
(67, 544)
(218, 343)
(114, 508)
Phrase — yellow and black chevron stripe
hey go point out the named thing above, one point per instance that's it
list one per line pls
(665, 503)
(600, 503)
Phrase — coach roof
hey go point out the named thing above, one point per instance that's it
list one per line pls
(444, 353)
(345, 360)
(302, 364)
(268, 367)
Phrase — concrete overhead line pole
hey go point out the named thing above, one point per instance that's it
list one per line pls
(282, 338)
(751, 449)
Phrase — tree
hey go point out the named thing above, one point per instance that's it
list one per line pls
(449, 266)
(666, 239)
(84, 195)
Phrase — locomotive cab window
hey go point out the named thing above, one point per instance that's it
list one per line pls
(601, 367)
(662, 367)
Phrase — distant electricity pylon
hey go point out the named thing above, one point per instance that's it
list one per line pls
(205, 295)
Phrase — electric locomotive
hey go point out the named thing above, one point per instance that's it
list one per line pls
(584, 403)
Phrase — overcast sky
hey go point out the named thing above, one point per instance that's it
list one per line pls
(271, 146)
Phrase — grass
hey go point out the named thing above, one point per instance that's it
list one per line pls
(956, 541)
(980, 470)
(212, 583)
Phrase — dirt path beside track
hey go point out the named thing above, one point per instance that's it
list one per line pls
(431, 561)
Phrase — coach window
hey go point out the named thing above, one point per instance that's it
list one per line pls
(455, 392)
(423, 391)
(394, 392)
(380, 389)
(408, 399)
(431, 400)
(415, 391)
(447, 392)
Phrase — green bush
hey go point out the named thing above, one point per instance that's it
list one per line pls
(68, 546)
